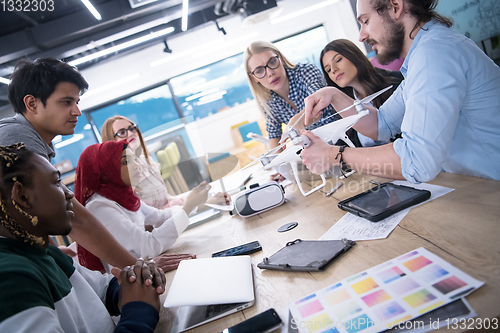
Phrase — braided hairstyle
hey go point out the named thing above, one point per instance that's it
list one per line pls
(15, 166)
(423, 10)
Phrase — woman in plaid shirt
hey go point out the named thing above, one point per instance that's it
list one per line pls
(280, 87)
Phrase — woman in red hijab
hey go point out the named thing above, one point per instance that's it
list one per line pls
(103, 186)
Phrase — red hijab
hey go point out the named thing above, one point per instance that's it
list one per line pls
(98, 171)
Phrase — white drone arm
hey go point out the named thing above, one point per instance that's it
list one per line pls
(337, 129)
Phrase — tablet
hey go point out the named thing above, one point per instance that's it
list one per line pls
(384, 200)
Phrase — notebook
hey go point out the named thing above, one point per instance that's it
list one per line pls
(209, 289)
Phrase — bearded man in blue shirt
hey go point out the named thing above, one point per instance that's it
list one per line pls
(447, 108)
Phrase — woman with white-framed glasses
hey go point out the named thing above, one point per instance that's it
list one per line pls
(148, 183)
(280, 87)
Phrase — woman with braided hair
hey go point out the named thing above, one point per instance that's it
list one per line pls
(13, 177)
(43, 290)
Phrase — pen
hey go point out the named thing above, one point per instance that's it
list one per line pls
(236, 190)
(334, 189)
(246, 180)
(222, 186)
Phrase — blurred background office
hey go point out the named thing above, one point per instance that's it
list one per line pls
(175, 67)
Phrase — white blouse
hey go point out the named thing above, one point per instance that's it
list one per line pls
(128, 227)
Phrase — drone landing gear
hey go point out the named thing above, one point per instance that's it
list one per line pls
(296, 175)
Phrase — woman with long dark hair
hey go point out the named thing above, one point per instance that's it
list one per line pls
(345, 66)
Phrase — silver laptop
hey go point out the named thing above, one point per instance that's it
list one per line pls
(209, 289)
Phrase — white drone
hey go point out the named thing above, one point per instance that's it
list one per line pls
(329, 132)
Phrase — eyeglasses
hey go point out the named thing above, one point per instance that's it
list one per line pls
(123, 132)
(261, 71)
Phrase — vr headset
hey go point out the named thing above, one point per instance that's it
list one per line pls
(258, 199)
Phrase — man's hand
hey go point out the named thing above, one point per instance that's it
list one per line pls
(277, 177)
(169, 262)
(316, 102)
(136, 283)
(319, 156)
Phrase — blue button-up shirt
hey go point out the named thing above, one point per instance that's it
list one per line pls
(304, 79)
(447, 108)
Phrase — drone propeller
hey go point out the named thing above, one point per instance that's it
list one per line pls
(367, 99)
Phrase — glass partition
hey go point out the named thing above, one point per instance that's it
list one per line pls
(147, 109)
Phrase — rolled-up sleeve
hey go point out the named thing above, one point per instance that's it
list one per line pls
(433, 95)
(390, 115)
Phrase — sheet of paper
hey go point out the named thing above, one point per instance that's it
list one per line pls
(357, 228)
(383, 296)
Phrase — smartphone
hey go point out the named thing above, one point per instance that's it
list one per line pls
(384, 200)
(239, 250)
(266, 321)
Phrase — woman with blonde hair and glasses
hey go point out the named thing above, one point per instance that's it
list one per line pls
(280, 88)
(148, 184)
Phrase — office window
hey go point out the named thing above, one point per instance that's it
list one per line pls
(147, 109)
(304, 47)
(212, 88)
(69, 147)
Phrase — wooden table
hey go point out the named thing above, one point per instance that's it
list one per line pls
(462, 227)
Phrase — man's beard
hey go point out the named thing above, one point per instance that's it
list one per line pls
(393, 43)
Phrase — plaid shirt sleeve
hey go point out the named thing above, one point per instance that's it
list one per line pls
(314, 80)
(273, 127)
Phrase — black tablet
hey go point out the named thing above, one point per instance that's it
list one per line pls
(384, 200)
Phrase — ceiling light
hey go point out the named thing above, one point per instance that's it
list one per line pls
(4, 80)
(121, 46)
(303, 11)
(92, 9)
(185, 6)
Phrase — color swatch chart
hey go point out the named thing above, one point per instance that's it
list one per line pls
(383, 296)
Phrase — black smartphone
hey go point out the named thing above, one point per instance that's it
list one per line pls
(239, 250)
(384, 200)
(266, 321)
